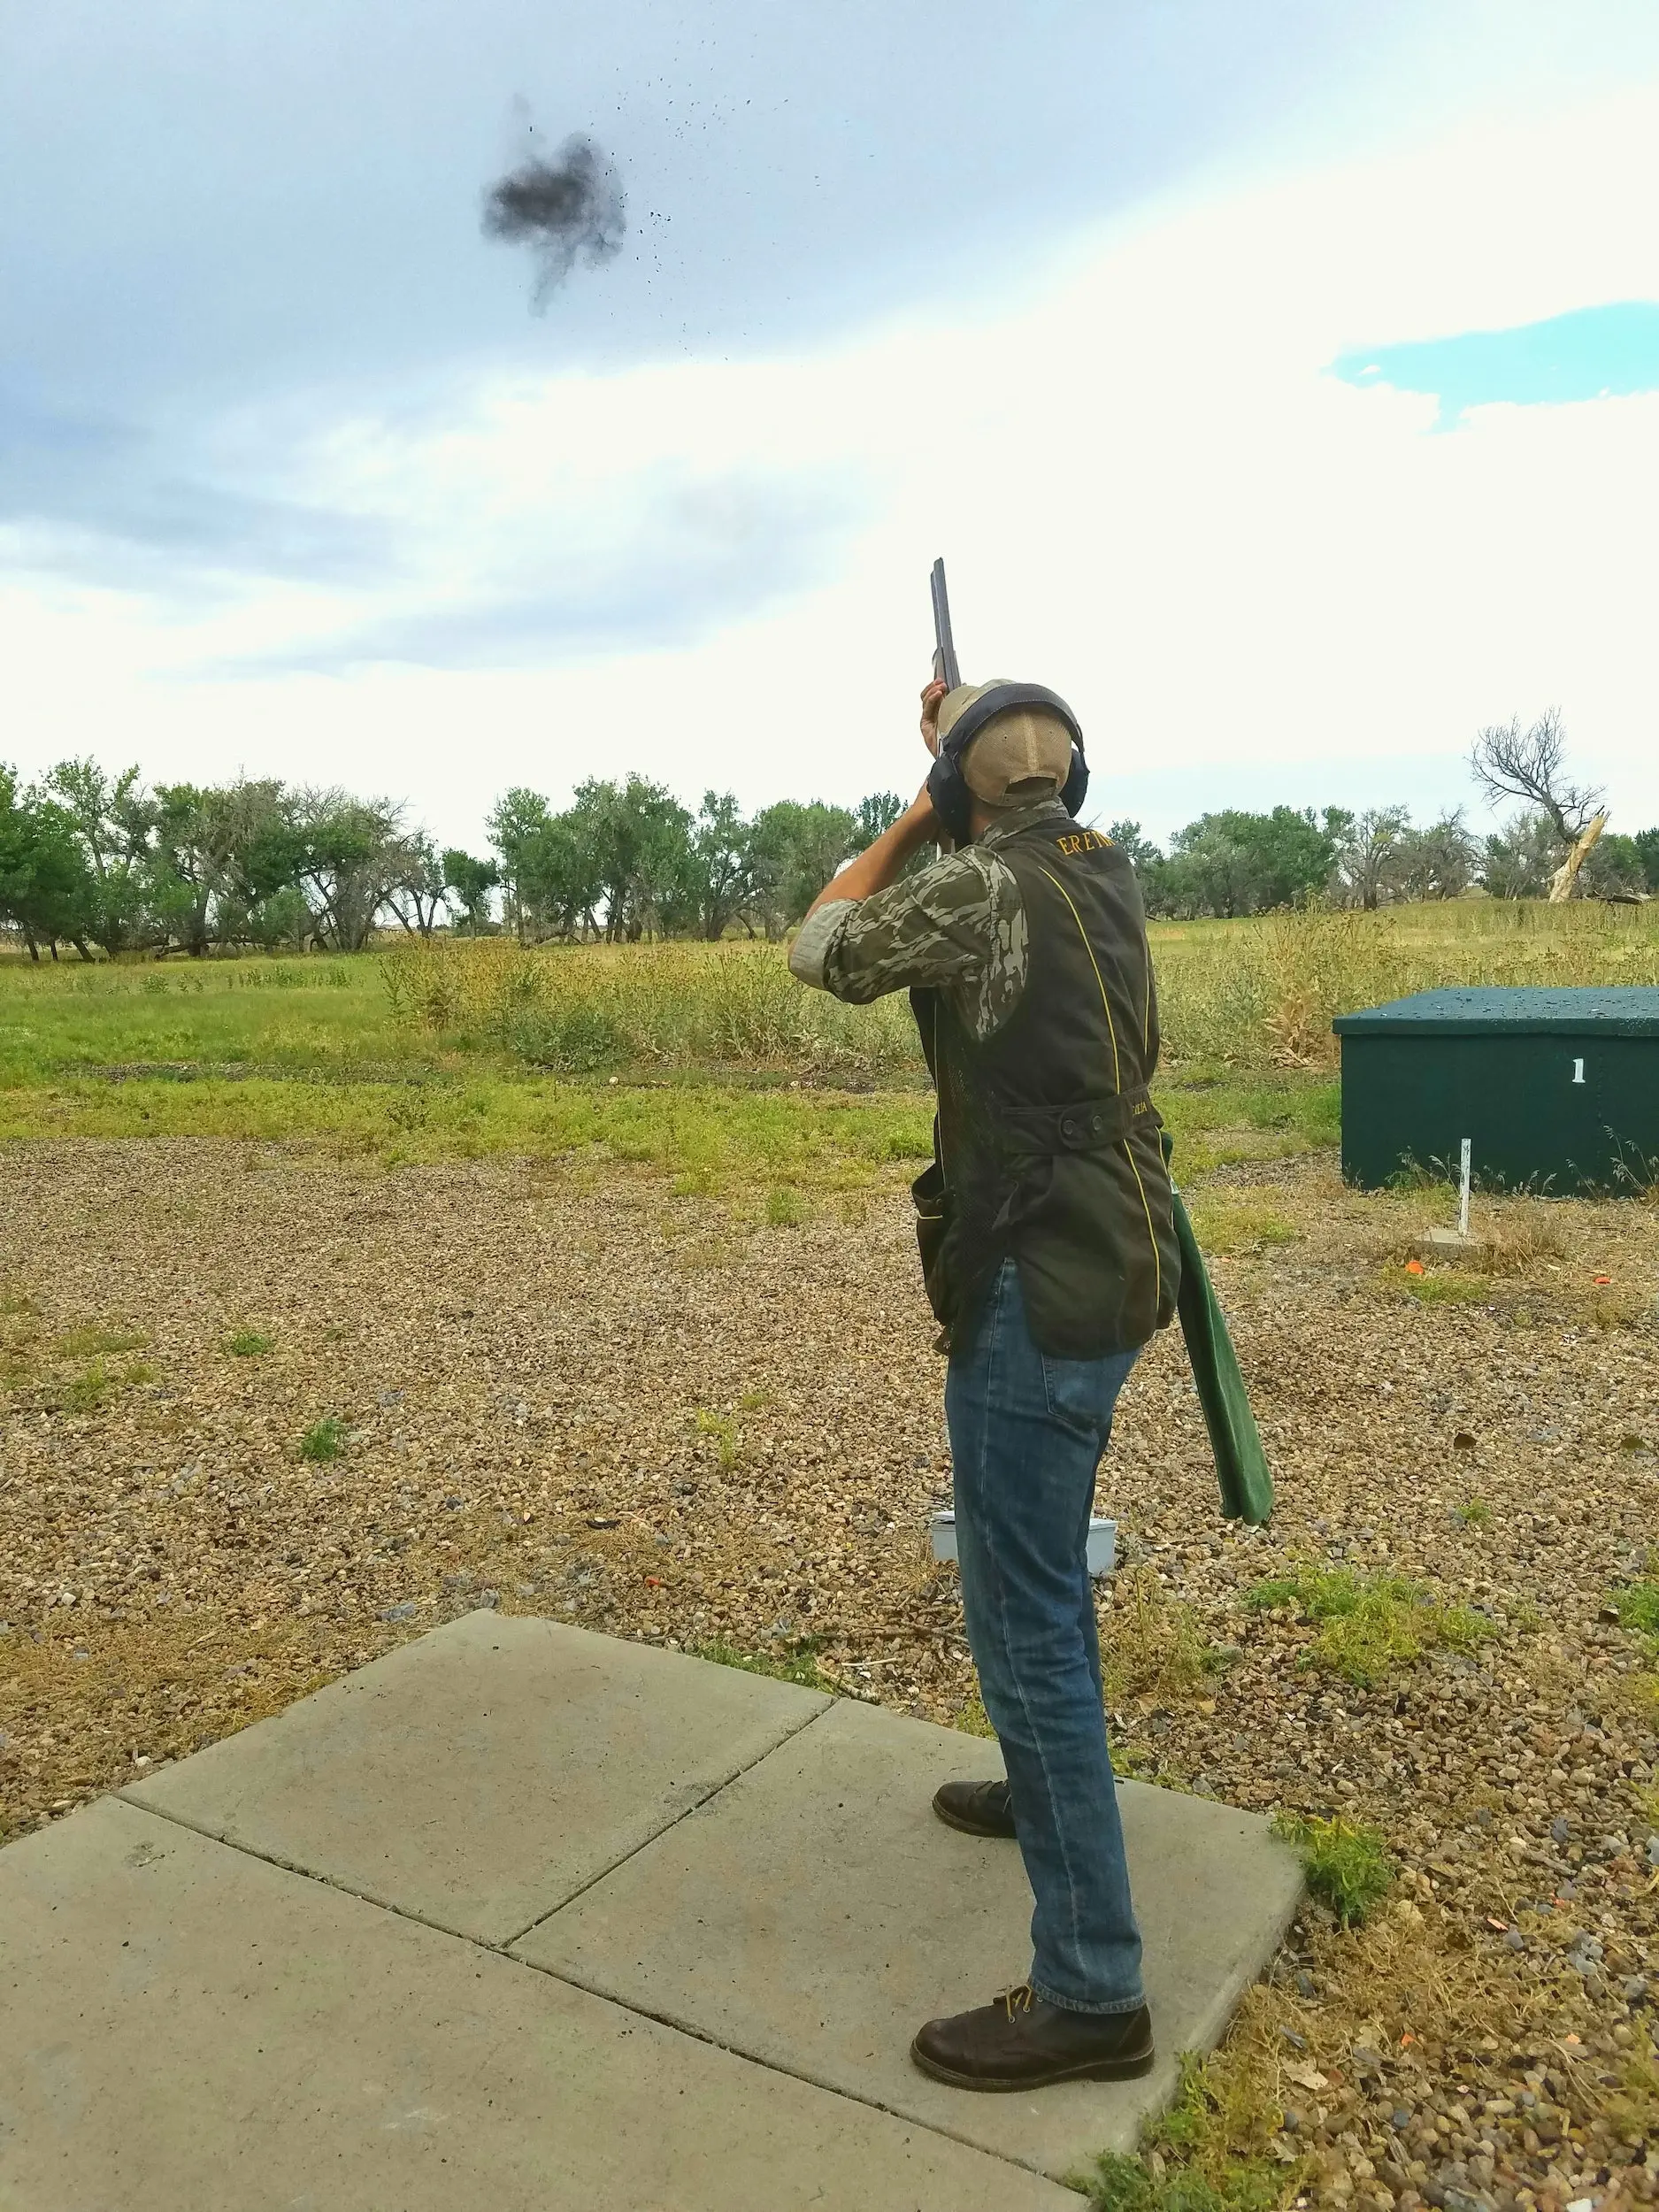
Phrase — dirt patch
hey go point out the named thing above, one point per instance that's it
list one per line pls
(567, 1392)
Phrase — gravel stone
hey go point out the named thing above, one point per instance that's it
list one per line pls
(658, 1414)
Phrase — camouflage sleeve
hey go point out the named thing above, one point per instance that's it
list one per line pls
(959, 924)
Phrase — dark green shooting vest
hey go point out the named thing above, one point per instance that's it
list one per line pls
(1046, 1142)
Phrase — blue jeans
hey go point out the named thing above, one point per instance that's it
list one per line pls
(1026, 1434)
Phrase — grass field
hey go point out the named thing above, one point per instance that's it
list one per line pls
(708, 1062)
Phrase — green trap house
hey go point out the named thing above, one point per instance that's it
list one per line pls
(1557, 1090)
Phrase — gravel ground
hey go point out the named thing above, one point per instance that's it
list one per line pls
(564, 1391)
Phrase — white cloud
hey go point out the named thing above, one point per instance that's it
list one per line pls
(1148, 490)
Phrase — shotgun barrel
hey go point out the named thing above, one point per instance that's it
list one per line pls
(944, 646)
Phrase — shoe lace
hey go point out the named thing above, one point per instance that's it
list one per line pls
(1020, 1999)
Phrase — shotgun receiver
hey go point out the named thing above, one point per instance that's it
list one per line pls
(945, 669)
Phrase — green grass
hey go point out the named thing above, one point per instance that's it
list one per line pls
(1473, 1513)
(721, 1430)
(98, 1383)
(248, 1344)
(1370, 1625)
(324, 1439)
(92, 1342)
(1224, 1228)
(796, 1664)
(1151, 1645)
(1637, 1606)
(1199, 2166)
(280, 1015)
(711, 1062)
(1235, 997)
(1346, 1864)
(973, 1719)
(1263, 992)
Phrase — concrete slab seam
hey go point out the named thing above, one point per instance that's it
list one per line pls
(310, 1874)
(402, 1912)
(689, 2030)
(790, 2073)
(708, 1798)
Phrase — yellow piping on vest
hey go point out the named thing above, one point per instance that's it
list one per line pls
(1111, 1027)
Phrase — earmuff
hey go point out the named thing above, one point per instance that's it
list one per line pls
(948, 787)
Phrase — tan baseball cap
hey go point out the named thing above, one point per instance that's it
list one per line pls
(1020, 756)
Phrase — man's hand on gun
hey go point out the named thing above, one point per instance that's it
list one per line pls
(931, 699)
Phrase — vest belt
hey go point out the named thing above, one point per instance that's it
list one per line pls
(1087, 1124)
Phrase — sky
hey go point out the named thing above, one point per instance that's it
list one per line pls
(1281, 383)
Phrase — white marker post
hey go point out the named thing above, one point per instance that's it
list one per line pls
(1463, 1194)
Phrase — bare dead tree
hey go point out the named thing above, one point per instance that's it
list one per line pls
(1510, 763)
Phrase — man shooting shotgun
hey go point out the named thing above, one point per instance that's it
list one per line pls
(1050, 1254)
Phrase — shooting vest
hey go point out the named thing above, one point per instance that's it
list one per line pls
(1046, 1142)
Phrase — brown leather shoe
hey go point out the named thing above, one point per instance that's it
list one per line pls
(1019, 2042)
(978, 1808)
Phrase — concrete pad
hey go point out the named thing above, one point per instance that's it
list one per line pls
(184, 2028)
(481, 1775)
(815, 1914)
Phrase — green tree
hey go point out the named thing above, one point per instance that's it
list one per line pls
(471, 881)
(560, 868)
(113, 821)
(1614, 868)
(1647, 843)
(1520, 858)
(875, 815)
(1232, 862)
(1142, 852)
(45, 884)
(217, 852)
(797, 848)
(417, 898)
(353, 855)
(721, 875)
(514, 823)
(639, 837)
(1437, 862)
(1365, 867)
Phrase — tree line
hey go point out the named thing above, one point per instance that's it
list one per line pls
(104, 863)
(1232, 863)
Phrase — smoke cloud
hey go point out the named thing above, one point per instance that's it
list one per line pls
(567, 210)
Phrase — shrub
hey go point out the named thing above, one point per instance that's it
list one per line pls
(576, 1040)
(1347, 1865)
(324, 1439)
(246, 1344)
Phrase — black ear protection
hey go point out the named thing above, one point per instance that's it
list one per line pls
(948, 787)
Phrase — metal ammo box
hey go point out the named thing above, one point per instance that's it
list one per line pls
(1557, 1089)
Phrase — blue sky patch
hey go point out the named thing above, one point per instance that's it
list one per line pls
(1593, 353)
